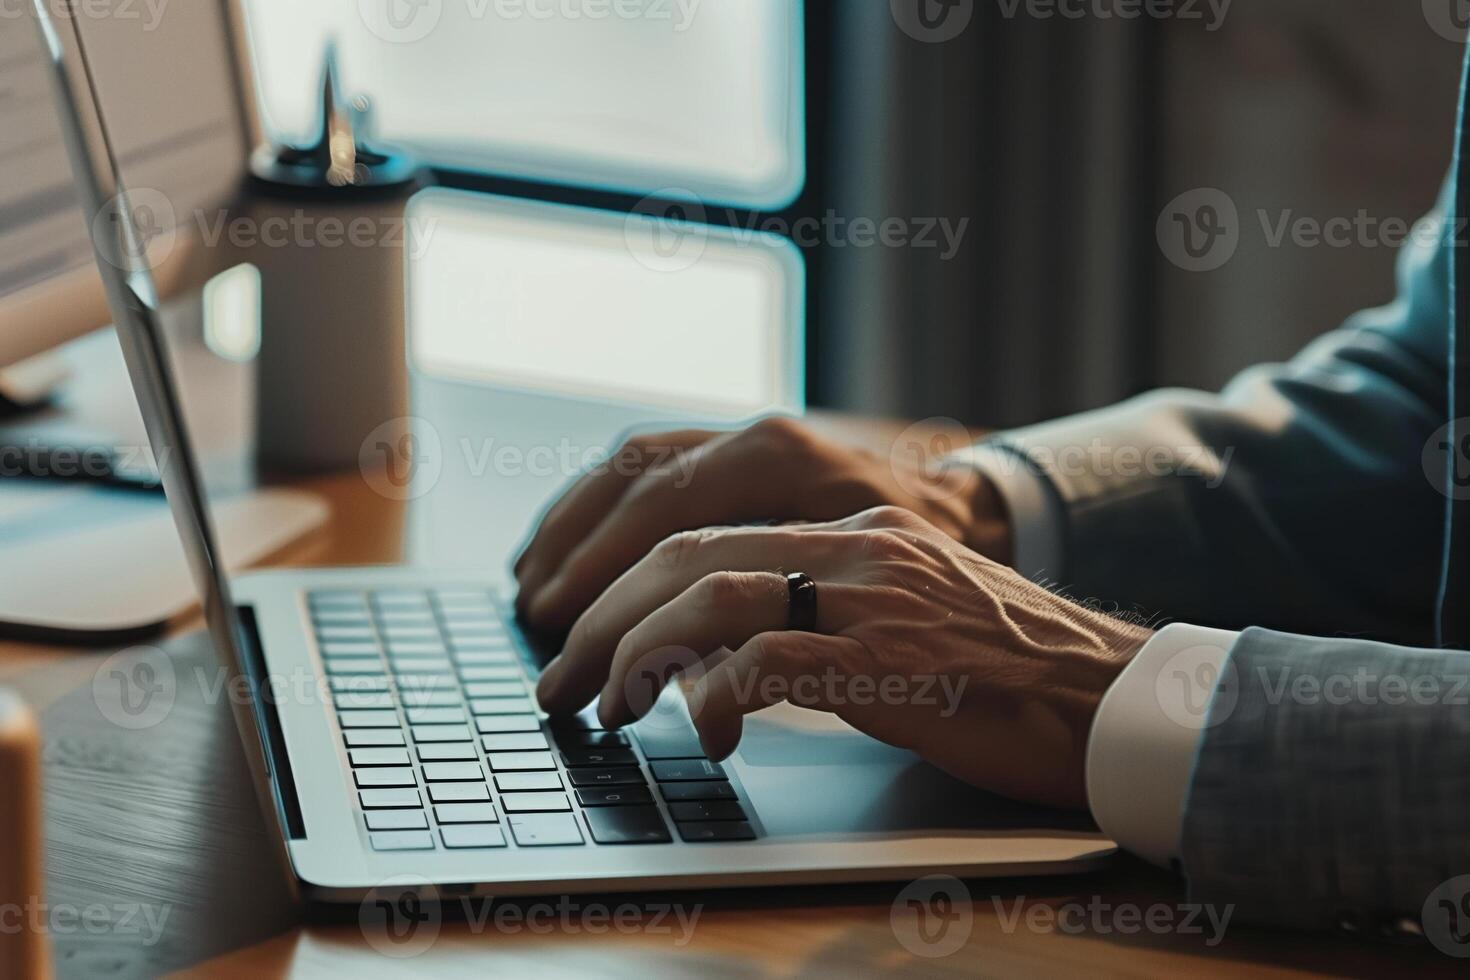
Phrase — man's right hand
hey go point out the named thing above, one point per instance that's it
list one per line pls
(775, 471)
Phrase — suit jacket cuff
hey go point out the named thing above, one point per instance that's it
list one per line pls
(1038, 520)
(1145, 737)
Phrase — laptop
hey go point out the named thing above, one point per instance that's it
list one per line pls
(418, 754)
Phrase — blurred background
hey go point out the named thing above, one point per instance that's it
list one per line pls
(989, 197)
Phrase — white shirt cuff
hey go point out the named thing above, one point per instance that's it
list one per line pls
(1140, 755)
(1036, 514)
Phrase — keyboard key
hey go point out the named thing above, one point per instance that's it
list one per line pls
(484, 642)
(496, 724)
(402, 840)
(354, 666)
(534, 802)
(422, 665)
(466, 813)
(407, 633)
(707, 810)
(685, 770)
(368, 719)
(682, 792)
(453, 772)
(491, 674)
(591, 740)
(486, 658)
(459, 792)
(545, 829)
(431, 699)
(448, 752)
(521, 782)
(435, 716)
(389, 799)
(497, 706)
(327, 602)
(409, 615)
(589, 758)
(627, 825)
(699, 833)
(365, 758)
(488, 687)
(371, 778)
(342, 685)
(442, 733)
(396, 820)
(630, 776)
(400, 597)
(339, 648)
(347, 634)
(472, 835)
(416, 648)
(363, 699)
(521, 761)
(584, 721)
(519, 742)
(368, 738)
(614, 796)
(669, 743)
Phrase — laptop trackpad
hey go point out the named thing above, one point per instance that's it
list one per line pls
(807, 772)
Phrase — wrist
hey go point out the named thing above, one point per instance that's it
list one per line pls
(987, 521)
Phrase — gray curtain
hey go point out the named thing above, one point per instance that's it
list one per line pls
(1037, 132)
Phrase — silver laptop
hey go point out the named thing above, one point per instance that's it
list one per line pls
(422, 756)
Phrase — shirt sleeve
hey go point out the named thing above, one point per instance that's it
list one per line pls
(1036, 514)
(1148, 729)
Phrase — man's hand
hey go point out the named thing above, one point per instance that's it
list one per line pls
(919, 642)
(774, 471)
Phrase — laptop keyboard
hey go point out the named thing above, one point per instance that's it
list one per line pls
(447, 750)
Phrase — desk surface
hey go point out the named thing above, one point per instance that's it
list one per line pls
(162, 822)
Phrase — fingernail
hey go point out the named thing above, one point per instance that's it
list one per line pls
(547, 685)
(543, 601)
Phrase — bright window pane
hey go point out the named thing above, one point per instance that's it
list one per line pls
(633, 95)
(595, 304)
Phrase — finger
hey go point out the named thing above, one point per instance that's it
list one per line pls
(580, 509)
(574, 677)
(713, 488)
(720, 611)
(743, 684)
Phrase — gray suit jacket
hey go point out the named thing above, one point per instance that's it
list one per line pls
(1320, 498)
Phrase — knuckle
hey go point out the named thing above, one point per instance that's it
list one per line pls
(781, 431)
(887, 516)
(721, 589)
(886, 545)
(678, 549)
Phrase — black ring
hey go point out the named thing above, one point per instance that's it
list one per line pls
(801, 616)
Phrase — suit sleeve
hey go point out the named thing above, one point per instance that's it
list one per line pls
(1329, 788)
(1296, 498)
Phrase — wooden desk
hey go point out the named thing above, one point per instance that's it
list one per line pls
(161, 820)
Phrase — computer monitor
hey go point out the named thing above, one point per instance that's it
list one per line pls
(175, 78)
